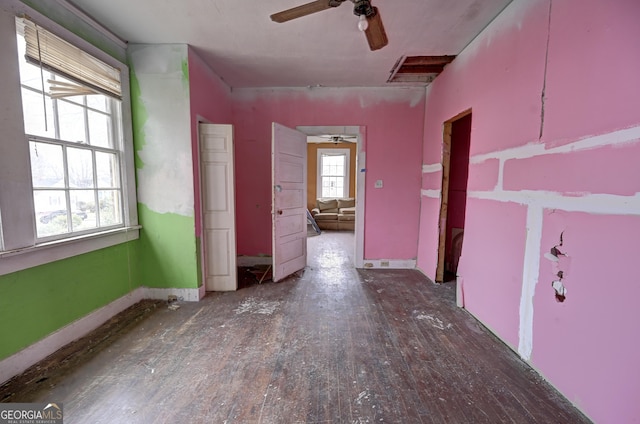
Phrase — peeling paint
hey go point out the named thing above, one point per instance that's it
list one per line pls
(555, 255)
(367, 97)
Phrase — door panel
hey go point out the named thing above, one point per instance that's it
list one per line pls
(219, 217)
(289, 215)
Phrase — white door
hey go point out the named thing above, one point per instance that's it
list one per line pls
(218, 205)
(289, 202)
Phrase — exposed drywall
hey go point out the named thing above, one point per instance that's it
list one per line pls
(601, 304)
(554, 148)
(393, 119)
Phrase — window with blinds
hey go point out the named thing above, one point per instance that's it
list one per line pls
(90, 75)
(71, 104)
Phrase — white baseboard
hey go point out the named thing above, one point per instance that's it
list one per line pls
(390, 263)
(21, 361)
(187, 295)
(254, 260)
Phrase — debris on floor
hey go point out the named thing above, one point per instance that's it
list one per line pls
(261, 273)
(172, 302)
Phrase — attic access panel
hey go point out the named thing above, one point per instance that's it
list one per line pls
(419, 69)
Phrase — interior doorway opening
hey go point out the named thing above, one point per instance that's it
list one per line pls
(455, 173)
(335, 164)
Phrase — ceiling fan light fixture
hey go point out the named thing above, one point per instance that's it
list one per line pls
(363, 24)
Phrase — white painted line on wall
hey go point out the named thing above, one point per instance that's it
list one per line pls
(617, 138)
(526, 151)
(431, 193)
(606, 204)
(434, 167)
(620, 137)
(530, 274)
(500, 182)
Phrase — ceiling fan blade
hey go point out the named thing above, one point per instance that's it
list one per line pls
(300, 11)
(375, 33)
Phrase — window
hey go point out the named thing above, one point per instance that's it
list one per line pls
(333, 173)
(72, 118)
(67, 173)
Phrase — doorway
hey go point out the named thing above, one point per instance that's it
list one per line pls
(455, 173)
(352, 139)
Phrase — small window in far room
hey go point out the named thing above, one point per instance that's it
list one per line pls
(71, 104)
(333, 173)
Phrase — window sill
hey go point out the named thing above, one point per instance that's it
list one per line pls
(43, 253)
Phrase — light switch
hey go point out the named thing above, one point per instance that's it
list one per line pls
(378, 184)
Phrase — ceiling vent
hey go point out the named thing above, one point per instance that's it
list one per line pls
(418, 69)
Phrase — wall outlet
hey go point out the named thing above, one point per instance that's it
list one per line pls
(378, 184)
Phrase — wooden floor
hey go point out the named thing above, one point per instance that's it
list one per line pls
(331, 345)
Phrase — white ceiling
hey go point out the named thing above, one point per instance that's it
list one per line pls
(242, 45)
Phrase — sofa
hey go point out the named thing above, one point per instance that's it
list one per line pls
(335, 214)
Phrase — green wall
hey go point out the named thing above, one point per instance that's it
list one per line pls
(169, 250)
(40, 300)
(167, 255)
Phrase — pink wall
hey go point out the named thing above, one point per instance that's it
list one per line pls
(588, 343)
(540, 168)
(209, 101)
(393, 122)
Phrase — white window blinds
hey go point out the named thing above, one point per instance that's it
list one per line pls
(56, 55)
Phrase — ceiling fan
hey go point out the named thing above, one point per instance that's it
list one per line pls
(369, 18)
(334, 138)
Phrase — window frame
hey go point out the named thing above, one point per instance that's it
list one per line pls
(19, 247)
(346, 152)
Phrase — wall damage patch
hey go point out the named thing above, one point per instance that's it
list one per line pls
(558, 259)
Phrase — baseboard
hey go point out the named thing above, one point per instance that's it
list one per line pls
(187, 295)
(249, 261)
(390, 263)
(22, 360)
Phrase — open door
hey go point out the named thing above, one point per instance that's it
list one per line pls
(289, 188)
(218, 206)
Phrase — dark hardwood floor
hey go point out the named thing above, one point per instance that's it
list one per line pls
(330, 345)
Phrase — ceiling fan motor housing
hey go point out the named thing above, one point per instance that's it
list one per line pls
(363, 7)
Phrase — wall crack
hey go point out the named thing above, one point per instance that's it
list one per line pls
(544, 79)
